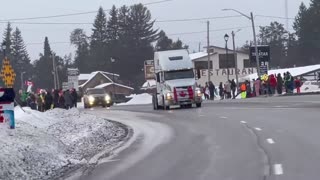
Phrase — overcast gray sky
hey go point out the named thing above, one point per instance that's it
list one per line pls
(177, 9)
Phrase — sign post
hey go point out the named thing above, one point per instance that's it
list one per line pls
(7, 95)
(73, 78)
(149, 69)
(264, 58)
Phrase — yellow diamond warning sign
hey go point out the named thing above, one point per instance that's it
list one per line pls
(7, 73)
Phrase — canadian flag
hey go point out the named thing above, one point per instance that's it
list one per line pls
(28, 83)
(182, 93)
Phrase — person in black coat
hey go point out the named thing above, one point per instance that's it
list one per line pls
(211, 90)
(233, 88)
(279, 83)
(48, 100)
(55, 98)
(74, 96)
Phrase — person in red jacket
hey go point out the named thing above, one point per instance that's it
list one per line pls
(297, 83)
(273, 83)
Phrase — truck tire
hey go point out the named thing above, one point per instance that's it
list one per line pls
(198, 105)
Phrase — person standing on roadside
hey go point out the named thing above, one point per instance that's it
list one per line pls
(221, 91)
(273, 84)
(48, 100)
(257, 86)
(279, 84)
(243, 89)
(297, 83)
(227, 88)
(74, 96)
(233, 88)
(68, 99)
(211, 90)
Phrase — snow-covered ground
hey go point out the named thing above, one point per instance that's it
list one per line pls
(46, 145)
(137, 99)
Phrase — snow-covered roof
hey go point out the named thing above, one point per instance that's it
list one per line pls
(149, 84)
(89, 76)
(108, 84)
(297, 71)
(92, 76)
(198, 55)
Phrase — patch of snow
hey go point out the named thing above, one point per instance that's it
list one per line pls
(44, 145)
(198, 55)
(297, 71)
(139, 99)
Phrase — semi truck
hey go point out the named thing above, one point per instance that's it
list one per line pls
(175, 80)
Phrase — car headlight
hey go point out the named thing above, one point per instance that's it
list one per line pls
(91, 99)
(107, 98)
(169, 96)
(199, 93)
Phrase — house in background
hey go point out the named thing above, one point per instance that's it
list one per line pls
(109, 81)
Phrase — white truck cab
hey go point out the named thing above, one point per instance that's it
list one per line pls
(176, 84)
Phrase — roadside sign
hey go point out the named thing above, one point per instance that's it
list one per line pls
(7, 73)
(264, 53)
(264, 69)
(149, 69)
(73, 78)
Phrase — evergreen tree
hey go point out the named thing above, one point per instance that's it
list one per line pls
(79, 39)
(7, 38)
(43, 68)
(163, 43)
(277, 38)
(20, 58)
(98, 44)
(177, 44)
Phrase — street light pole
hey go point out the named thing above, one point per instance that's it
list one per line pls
(226, 38)
(208, 50)
(114, 89)
(235, 57)
(254, 36)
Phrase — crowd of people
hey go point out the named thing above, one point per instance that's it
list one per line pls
(45, 100)
(265, 85)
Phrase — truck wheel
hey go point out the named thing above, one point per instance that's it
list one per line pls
(198, 105)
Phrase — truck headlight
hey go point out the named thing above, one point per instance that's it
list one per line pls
(199, 93)
(91, 99)
(107, 98)
(168, 96)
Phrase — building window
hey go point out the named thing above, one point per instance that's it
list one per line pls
(225, 62)
(202, 64)
(248, 64)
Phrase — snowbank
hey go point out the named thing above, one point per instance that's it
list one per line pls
(137, 99)
(45, 145)
(310, 86)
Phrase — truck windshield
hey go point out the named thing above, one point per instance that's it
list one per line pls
(182, 74)
(96, 91)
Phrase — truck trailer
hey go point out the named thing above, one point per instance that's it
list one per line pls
(175, 80)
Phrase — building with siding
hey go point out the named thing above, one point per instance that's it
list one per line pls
(220, 63)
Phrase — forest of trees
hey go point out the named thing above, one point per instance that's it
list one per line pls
(127, 34)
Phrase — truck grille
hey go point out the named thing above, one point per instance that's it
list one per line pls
(183, 94)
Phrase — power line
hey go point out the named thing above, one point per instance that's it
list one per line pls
(214, 30)
(196, 19)
(277, 17)
(73, 14)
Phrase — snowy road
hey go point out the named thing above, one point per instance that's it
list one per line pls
(265, 138)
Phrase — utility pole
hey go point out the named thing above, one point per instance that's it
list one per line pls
(287, 14)
(199, 46)
(208, 50)
(57, 78)
(54, 71)
(255, 45)
(22, 73)
(235, 58)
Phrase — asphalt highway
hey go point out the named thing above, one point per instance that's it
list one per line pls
(273, 138)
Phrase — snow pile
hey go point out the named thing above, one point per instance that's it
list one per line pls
(310, 86)
(137, 99)
(46, 145)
